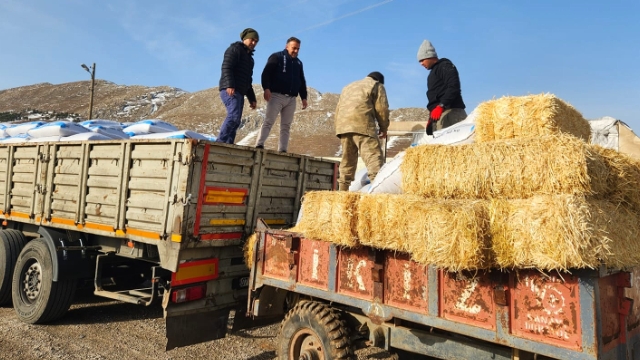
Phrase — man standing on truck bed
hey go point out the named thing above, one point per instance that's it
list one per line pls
(282, 81)
(443, 89)
(362, 103)
(235, 82)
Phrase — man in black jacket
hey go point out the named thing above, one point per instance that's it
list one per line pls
(443, 89)
(282, 81)
(235, 82)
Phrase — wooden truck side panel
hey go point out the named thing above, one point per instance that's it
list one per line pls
(156, 192)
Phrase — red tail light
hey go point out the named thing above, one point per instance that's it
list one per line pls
(188, 294)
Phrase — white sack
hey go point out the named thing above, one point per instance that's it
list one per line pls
(57, 128)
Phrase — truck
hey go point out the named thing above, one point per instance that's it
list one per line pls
(335, 299)
(142, 221)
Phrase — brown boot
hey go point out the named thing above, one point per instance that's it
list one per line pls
(343, 187)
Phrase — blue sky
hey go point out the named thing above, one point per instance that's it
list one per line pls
(585, 52)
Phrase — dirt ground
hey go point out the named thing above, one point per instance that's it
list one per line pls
(96, 328)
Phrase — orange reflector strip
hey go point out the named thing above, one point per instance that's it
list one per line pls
(21, 215)
(176, 237)
(219, 195)
(143, 233)
(195, 271)
(275, 221)
(62, 221)
(226, 222)
(99, 227)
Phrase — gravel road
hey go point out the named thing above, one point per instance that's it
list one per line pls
(96, 328)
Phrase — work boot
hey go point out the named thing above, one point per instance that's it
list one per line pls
(343, 187)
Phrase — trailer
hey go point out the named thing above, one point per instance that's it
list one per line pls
(142, 221)
(336, 299)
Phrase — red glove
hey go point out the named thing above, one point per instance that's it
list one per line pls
(435, 114)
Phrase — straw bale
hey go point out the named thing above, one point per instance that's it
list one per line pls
(526, 116)
(451, 234)
(562, 232)
(624, 179)
(248, 248)
(330, 216)
(512, 169)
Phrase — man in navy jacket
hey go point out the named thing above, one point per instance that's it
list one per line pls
(235, 82)
(282, 80)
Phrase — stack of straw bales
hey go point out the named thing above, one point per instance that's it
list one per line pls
(530, 193)
(525, 116)
(554, 201)
(404, 223)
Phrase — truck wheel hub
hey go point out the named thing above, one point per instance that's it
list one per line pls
(32, 281)
(307, 346)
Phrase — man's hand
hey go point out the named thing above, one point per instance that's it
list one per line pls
(382, 135)
(231, 91)
(267, 95)
(304, 104)
(253, 105)
(436, 113)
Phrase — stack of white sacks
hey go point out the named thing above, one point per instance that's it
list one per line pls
(40, 131)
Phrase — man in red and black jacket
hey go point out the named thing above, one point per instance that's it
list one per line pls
(235, 82)
(443, 89)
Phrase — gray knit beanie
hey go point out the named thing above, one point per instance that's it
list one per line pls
(426, 51)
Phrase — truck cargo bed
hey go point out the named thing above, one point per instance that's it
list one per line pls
(585, 314)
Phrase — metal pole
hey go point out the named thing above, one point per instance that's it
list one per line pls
(93, 78)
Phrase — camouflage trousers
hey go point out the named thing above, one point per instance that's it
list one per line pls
(369, 149)
(449, 117)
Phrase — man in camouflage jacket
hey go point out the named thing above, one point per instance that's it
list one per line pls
(362, 104)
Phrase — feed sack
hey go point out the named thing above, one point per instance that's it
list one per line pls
(19, 129)
(149, 126)
(182, 134)
(56, 128)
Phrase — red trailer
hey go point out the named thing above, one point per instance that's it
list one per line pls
(335, 299)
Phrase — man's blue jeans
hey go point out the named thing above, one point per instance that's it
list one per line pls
(234, 105)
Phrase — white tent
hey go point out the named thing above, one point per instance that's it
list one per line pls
(615, 134)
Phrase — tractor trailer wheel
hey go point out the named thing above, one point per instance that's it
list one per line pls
(36, 297)
(314, 331)
(11, 243)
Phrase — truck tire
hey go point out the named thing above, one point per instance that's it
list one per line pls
(36, 297)
(11, 243)
(313, 331)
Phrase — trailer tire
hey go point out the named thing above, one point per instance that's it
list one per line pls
(36, 297)
(11, 243)
(312, 330)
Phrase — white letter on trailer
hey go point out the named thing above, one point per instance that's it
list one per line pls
(316, 260)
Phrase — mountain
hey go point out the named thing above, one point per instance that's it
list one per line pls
(312, 132)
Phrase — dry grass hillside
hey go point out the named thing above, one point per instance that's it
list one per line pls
(201, 111)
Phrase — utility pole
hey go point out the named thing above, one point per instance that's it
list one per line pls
(91, 70)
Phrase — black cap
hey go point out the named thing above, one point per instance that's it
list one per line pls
(377, 76)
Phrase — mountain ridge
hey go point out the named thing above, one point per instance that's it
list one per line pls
(312, 132)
